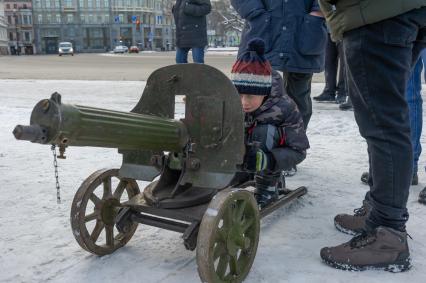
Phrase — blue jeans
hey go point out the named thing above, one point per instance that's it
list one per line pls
(182, 54)
(423, 56)
(379, 59)
(415, 109)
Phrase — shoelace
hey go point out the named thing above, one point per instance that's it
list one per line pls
(360, 211)
(363, 240)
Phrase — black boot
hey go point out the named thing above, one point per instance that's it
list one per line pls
(266, 188)
(326, 96)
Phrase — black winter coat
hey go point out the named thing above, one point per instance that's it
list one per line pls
(191, 24)
(295, 41)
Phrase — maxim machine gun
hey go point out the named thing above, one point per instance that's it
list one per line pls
(191, 165)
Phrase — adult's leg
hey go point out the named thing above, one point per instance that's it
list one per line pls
(198, 55)
(341, 84)
(423, 56)
(182, 55)
(383, 48)
(414, 100)
(331, 63)
(298, 87)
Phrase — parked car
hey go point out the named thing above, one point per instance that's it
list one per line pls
(121, 49)
(134, 49)
(65, 48)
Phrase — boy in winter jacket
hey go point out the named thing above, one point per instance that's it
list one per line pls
(274, 129)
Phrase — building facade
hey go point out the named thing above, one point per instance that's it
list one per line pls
(20, 26)
(100, 25)
(3, 31)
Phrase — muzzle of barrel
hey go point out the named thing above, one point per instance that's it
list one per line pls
(33, 133)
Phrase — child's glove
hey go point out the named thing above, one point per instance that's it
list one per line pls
(257, 160)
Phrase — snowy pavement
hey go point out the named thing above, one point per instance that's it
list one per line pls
(36, 243)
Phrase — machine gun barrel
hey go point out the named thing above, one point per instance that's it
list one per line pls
(71, 125)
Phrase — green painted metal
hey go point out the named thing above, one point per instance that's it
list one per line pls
(74, 125)
(228, 237)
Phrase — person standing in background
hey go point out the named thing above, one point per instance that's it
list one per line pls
(191, 29)
(295, 35)
(334, 90)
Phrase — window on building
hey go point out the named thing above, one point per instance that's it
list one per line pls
(15, 6)
(57, 4)
(81, 3)
(27, 36)
(98, 3)
(90, 19)
(47, 3)
(83, 19)
(9, 20)
(70, 18)
(10, 35)
(40, 18)
(37, 3)
(89, 3)
(49, 18)
(25, 19)
(106, 17)
(25, 6)
(58, 18)
(106, 3)
(68, 3)
(8, 6)
(30, 19)
(121, 17)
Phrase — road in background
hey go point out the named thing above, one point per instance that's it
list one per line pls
(115, 67)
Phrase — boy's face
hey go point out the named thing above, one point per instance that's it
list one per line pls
(251, 102)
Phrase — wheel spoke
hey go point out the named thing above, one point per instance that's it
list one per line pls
(109, 230)
(97, 230)
(94, 198)
(240, 211)
(219, 250)
(227, 217)
(221, 235)
(222, 266)
(91, 216)
(246, 224)
(119, 190)
(233, 265)
(107, 188)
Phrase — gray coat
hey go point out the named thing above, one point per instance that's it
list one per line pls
(190, 20)
(295, 41)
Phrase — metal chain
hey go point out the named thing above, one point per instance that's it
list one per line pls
(55, 165)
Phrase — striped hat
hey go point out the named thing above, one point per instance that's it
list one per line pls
(251, 74)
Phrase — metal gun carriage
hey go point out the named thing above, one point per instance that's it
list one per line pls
(192, 166)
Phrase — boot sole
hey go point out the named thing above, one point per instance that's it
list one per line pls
(394, 267)
(345, 230)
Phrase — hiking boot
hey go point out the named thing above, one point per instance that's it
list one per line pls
(414, 180)
(340, 98)
(422, 196)
(266, 191)
(353, 224)
(325, 97)
(382, 248)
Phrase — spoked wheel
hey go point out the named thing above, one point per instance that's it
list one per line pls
(95, 207)
(228, 237)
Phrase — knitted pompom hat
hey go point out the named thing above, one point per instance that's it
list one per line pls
(251, 74)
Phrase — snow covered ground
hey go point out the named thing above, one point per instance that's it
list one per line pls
(36, 243)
